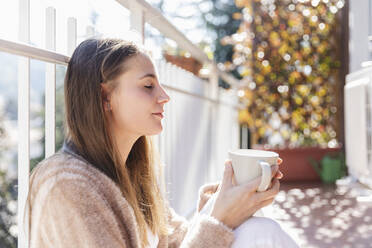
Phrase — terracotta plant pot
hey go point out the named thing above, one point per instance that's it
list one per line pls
(188, 64)
(296, 165)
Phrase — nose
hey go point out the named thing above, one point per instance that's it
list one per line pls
(163, 97)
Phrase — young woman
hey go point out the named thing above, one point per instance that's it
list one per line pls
(100, 189)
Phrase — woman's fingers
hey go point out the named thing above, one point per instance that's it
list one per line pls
(252, 185)
(279, 161)
(279, 174)
(274, 170)
(271, 192)
(209, 188)
(212, 188)
(262, 204)
(227, 175)
(266, 202)
(205, 197)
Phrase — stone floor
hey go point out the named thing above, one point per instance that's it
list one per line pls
(318, 215)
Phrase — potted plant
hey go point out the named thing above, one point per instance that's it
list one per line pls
(296, 164)
(187, 63)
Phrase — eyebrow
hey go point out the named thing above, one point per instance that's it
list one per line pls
(148, 75)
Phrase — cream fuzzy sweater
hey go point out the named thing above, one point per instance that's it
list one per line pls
(73, 204)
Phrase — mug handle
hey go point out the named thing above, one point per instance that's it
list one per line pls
(266, 176)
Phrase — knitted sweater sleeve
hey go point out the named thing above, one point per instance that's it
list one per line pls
(202, 231)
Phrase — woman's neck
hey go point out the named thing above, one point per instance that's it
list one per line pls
(125, 144)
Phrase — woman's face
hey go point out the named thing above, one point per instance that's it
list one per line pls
(136, 99)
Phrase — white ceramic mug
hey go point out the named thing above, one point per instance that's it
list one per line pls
(249, 164)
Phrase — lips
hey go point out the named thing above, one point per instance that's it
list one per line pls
(159, 114)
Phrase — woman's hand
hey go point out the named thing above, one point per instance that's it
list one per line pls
(207, 190)
(205, 193)
(236, 203)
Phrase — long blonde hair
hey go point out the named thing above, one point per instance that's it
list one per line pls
(93, 62)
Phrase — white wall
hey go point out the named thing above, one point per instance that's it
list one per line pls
(359, 24)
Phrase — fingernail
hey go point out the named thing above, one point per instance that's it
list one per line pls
(280, 175)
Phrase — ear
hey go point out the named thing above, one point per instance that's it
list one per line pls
(105, 96)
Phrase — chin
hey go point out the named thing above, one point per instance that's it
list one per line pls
(159, 130)
(155, 131)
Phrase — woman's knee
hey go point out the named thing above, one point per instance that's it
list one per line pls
(256, 225)
(261, 232)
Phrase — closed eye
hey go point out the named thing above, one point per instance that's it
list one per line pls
(149, 86)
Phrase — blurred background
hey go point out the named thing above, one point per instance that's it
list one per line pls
(291, 76)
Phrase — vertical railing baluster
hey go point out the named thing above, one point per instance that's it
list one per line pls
(89, 32)
(71, 35)
(50, 84)
(137, 19)
(23, 123)
(214, 110)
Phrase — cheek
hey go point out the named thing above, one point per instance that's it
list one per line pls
(134, 109)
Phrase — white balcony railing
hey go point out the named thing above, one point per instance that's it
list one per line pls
(194, 150)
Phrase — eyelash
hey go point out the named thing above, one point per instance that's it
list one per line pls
(149, 87)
